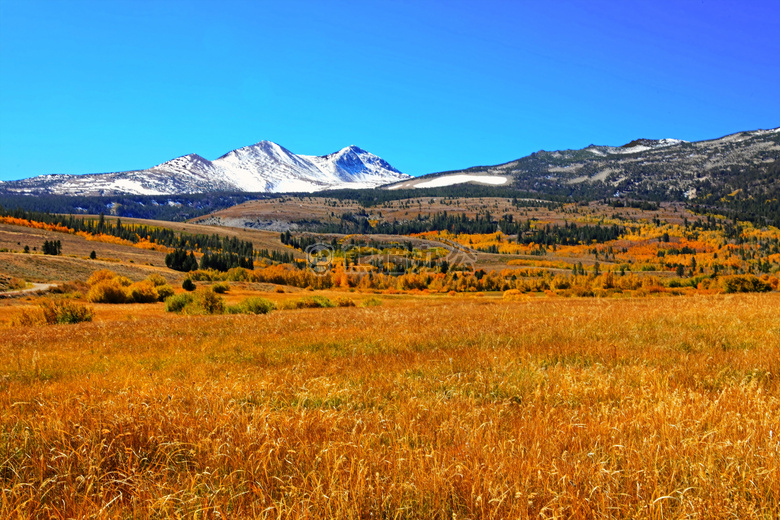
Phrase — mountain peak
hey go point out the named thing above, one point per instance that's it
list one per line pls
(266, 147)
(189, 160)
(353, 148)
(640, 142)
(650, 143)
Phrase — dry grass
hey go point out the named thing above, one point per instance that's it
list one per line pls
(429, 407)
(133, 262)
(44, 268)
(14, 238)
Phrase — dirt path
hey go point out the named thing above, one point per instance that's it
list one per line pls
(36, 287)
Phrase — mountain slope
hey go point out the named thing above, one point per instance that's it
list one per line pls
(263, 167)
(665, 169)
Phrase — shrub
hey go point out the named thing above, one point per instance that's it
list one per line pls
(372, 302)
(188, 284)
(206, 275)
(156, 280)
(164, 291)
(239, 274)
(512, 294)
(107, 291)
(221, 287)
(28, 318)
(744, 283)
(178, 302)
(582, 292)
(252, 306)
(74, 289)
(63, 311)
(309, 302)
(314, 302)
(124, 281)
(345, 302)
(142, 292)
(101, 276)
(108, 287)
(203, 301)
(207, 299)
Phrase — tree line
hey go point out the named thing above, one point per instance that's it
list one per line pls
(222, 250)
(174, 208)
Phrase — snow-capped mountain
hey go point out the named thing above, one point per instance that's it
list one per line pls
(262, 167)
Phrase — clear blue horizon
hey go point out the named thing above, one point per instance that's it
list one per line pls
(92, 86)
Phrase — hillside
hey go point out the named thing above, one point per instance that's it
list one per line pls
(736, 173)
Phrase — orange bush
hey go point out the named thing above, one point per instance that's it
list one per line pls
(107, 291)
(101, 275)
(142, 292)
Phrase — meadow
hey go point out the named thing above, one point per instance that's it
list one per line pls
(418, 406)
(636, 377)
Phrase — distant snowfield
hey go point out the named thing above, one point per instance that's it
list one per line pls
(450, 180)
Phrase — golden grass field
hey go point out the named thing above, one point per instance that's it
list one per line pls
(423, 407)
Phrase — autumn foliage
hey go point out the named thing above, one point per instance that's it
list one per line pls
(108, 287)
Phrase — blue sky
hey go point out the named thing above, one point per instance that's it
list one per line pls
(97, 86)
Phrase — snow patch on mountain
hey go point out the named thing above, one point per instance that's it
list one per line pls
(130, 186)
(451, 180)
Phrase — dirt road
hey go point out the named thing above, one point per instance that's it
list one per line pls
(36, 287)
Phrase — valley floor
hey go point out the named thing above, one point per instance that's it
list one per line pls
(412, 407)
